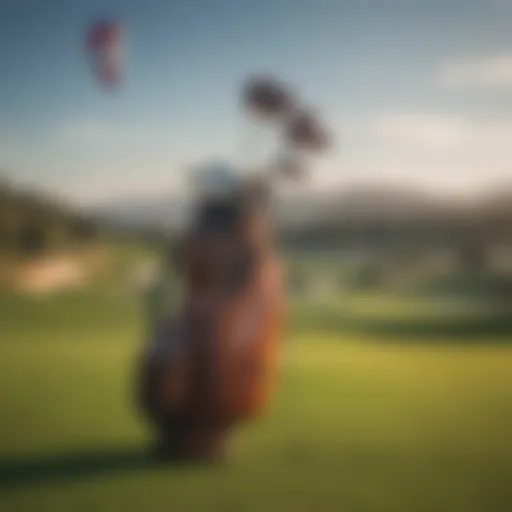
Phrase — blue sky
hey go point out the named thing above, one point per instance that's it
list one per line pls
(415, 91)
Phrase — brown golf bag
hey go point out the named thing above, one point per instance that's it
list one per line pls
(215, 364)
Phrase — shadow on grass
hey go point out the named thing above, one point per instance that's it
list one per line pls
(22, 471)
(488, 286)
(494, 328)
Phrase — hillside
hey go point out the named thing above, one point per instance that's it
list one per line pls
(44, 244)
(32, 224)
(356, 214)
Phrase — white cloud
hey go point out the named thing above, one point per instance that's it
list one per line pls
(93, 158)
(489, 72)
(427, 131)
(444, 153)
(444, 133)
(97, 135)
(103, 186)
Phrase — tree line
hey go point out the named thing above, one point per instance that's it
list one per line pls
(32, 224)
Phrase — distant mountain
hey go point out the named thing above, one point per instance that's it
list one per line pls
(296, 209)
(140, 212)
(171, 212)
(33, 223)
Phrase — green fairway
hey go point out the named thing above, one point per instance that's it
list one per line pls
(358, 425)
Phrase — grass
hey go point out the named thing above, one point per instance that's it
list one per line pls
(358, 425)
(488, 285)
(395, 318)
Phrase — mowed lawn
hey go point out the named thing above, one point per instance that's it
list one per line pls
(360, 424)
